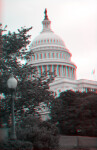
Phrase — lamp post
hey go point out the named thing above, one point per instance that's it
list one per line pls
(12, 84)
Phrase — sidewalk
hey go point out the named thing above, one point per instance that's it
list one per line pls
(78, 141)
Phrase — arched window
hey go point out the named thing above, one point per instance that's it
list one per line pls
(39, 56)
(35, 56)
(49, 55)
(61, 55)
(45, 55)
(53, 55)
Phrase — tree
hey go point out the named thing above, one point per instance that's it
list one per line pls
(64, 112)
(72, 114)
(13, 47)
(87, 116)
(31, 87)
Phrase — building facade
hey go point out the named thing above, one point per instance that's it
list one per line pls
(51, 54)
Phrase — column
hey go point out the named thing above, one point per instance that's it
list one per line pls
(38, 69)
(57, 70)
(46, 69)
(53, 68)
(62, 71)
(66, 71)
(69, 72)
(41, 70)
(72, 72)
(75, 73)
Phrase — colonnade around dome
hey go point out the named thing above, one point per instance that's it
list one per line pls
(60, 71)
(57, 62)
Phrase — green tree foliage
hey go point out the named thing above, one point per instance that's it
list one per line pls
(31, 88)
(41, 134)
(13, 46)
(87, 115)
(75, 113)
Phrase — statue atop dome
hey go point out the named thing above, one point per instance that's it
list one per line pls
(45, 12)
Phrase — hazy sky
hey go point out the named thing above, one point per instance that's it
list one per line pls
(75, 21)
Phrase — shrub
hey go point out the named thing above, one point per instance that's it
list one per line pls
(16, 145)
(41, 134)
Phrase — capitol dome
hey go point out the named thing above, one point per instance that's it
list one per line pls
(47, 38)
(51, 54)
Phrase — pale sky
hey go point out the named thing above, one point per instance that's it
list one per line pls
(75, 21)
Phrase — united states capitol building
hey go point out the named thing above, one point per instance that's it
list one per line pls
(51, 54)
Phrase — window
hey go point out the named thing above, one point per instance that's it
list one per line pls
(61, 55)
(39, 56)
(53, 55)
(45, 55)
(49, 55)
(35, 56)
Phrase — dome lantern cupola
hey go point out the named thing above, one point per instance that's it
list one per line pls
(46, 23)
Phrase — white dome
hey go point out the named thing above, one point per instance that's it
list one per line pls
(47, 38)
(51, 54)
